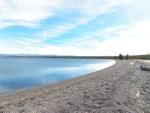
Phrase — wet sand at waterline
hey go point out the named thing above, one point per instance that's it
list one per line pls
(121, 88)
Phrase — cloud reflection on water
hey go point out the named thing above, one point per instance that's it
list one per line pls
(28, 77)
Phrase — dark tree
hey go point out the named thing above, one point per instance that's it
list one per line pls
(127, 57)
(120, 56)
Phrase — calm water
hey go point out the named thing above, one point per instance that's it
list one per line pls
(23, 73)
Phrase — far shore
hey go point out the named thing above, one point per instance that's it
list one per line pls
(121, 88)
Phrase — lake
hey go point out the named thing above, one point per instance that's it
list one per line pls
(23, 73)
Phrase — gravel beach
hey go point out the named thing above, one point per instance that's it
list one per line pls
(121, 88)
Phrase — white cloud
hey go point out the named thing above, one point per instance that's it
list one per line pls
(27, 12)
(132, 38)
(57, 31)
(129, 39)
(6, 24)
(23, 45)
(138, 10)
(87, 11)
(31, 12)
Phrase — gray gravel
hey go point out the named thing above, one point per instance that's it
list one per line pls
(121, 88)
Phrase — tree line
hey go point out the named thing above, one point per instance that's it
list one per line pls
(141, 57)
(121, 57)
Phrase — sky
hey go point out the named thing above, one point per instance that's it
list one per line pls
(75, 27)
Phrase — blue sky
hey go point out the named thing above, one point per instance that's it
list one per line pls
(75, 27)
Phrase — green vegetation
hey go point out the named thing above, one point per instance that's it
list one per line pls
(127, 57)
(120, 56)
(77, 57)
(142, 57)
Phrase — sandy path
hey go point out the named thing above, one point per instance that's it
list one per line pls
(121, 88)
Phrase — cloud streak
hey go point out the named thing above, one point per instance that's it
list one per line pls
(31, 12)
(28, 12)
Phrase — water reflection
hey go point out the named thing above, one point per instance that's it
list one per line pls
(19, 74)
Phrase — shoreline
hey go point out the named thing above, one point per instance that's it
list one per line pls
(120, 88)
